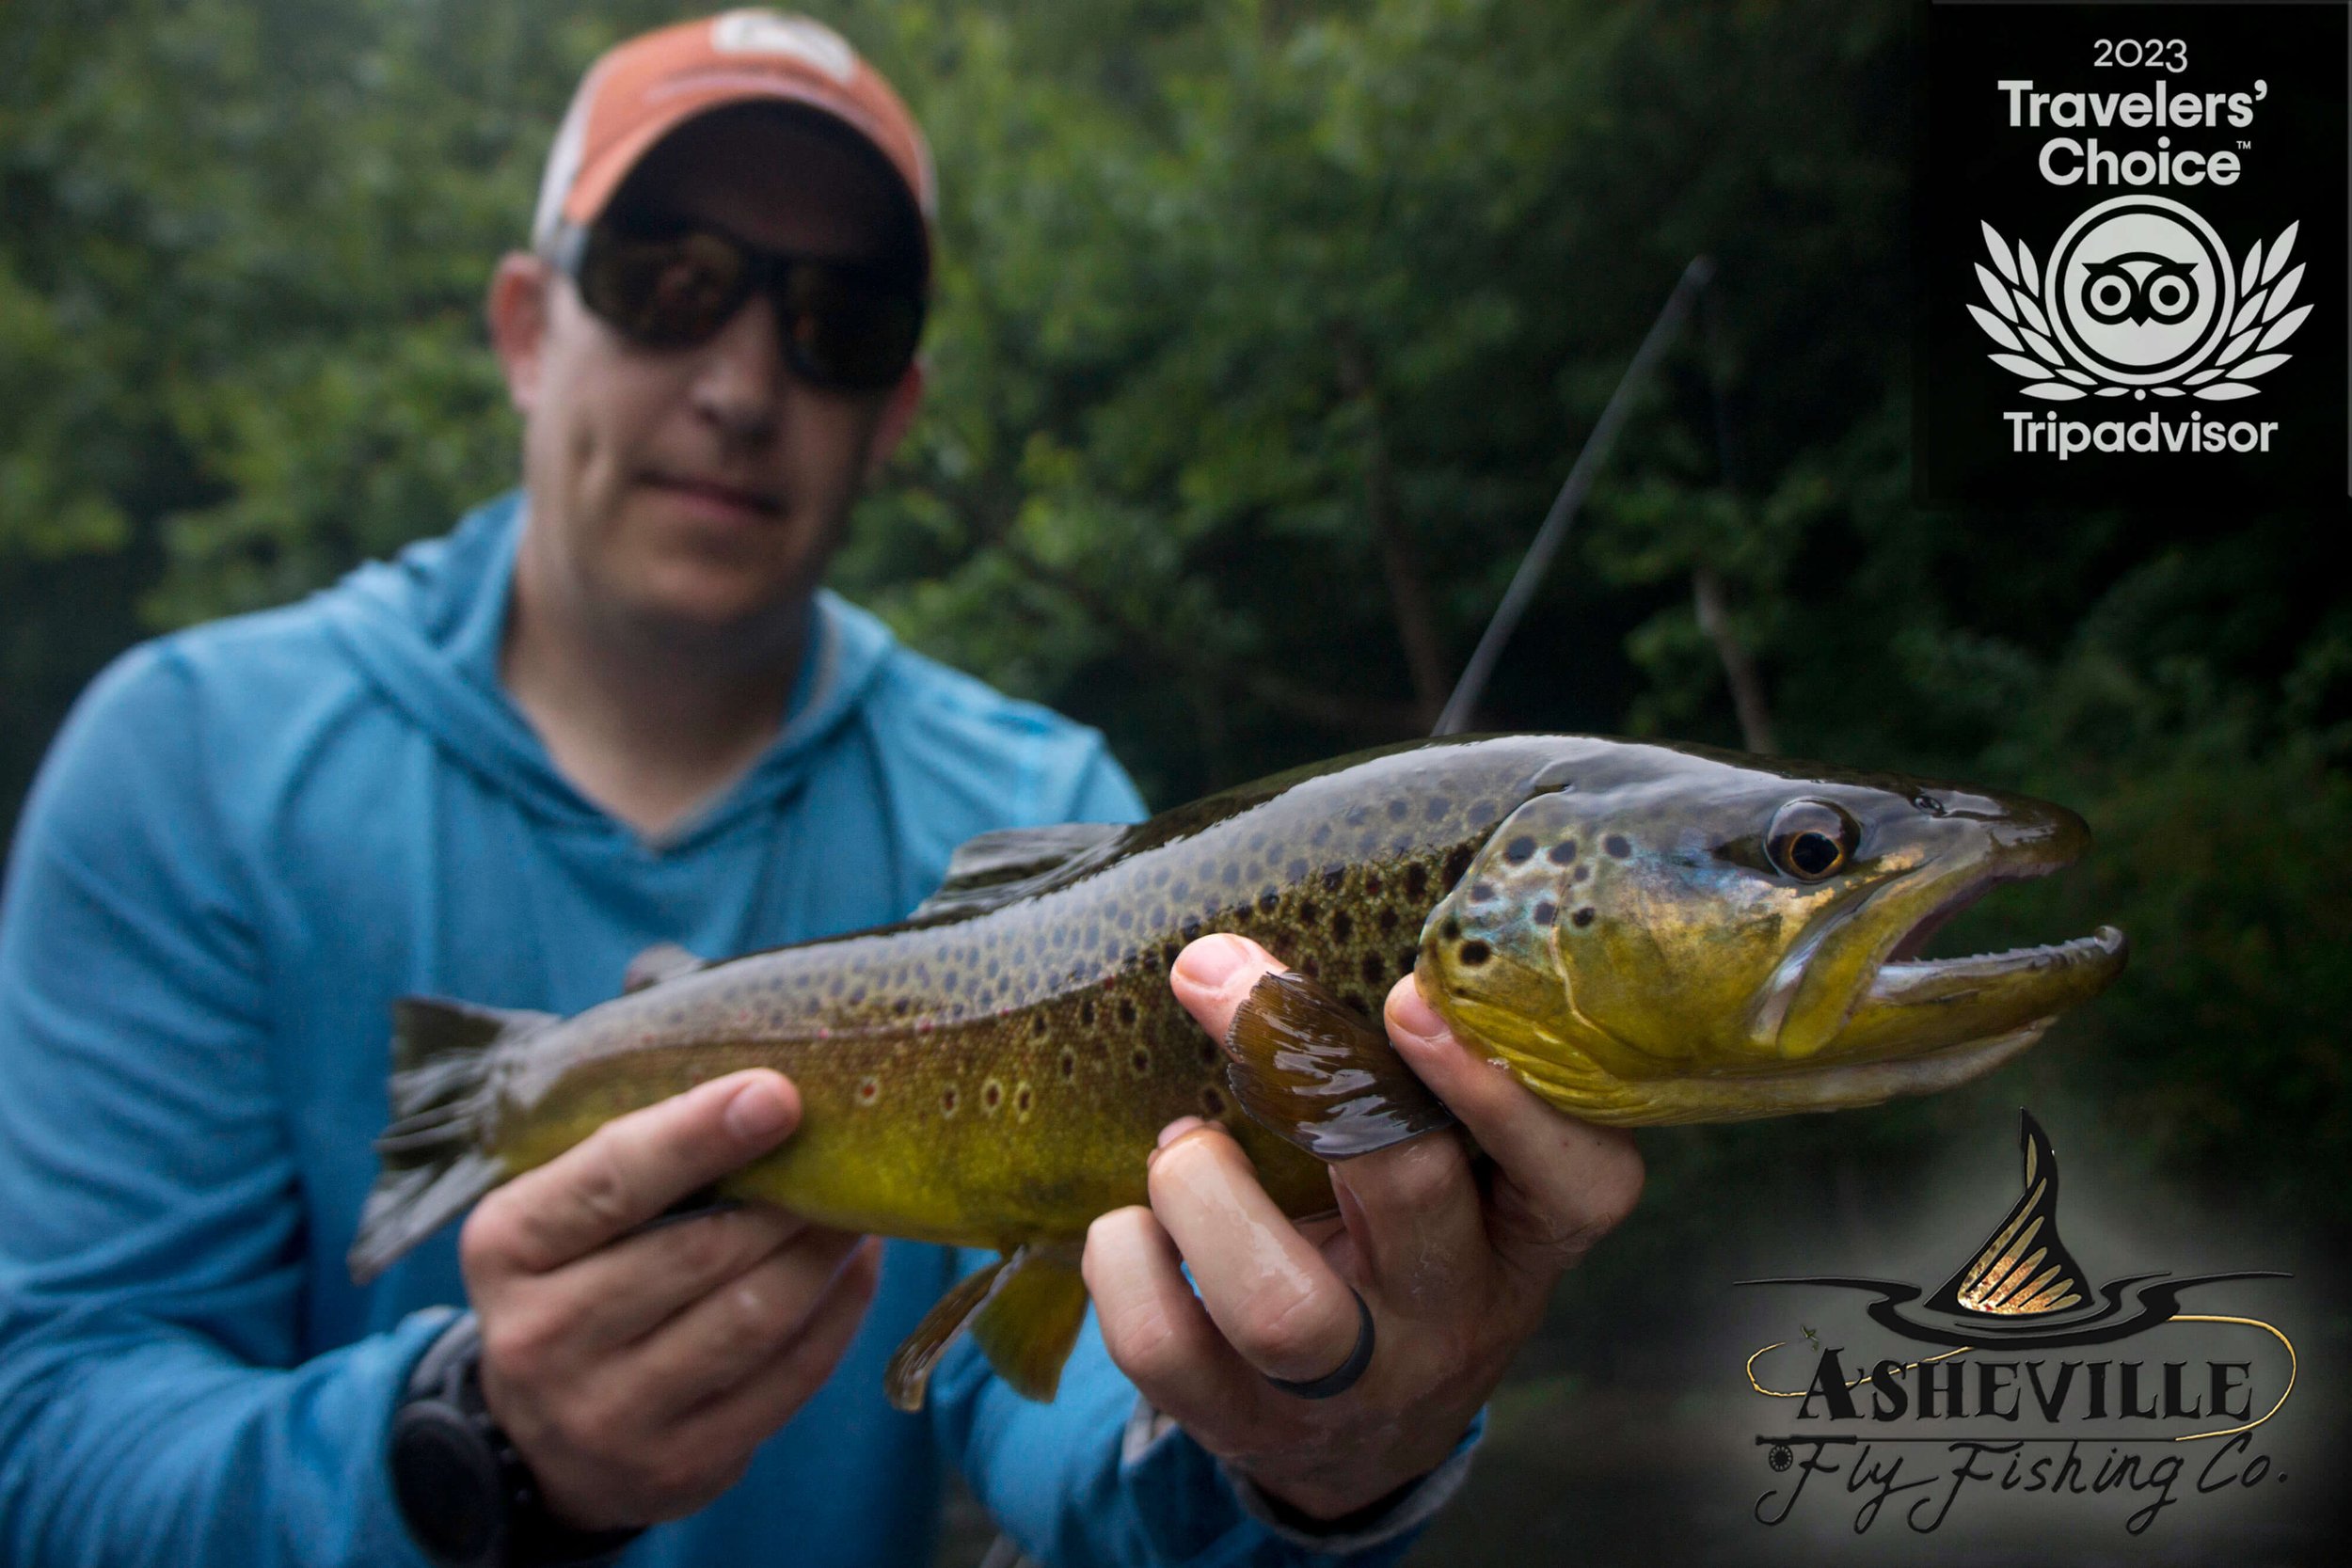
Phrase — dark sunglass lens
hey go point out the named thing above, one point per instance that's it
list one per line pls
(848, 330)
(666, 291)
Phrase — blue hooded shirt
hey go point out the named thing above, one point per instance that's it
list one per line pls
(246, 841)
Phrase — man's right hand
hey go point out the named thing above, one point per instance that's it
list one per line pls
(636, 1375)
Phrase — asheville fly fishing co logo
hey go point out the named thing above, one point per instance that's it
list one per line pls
(2132, 247)
(2021, 1380)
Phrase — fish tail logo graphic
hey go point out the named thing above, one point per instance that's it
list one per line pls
(2139, 297)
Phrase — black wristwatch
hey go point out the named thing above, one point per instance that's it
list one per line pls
(468, 1498)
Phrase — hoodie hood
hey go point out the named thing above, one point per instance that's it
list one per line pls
(426, 628)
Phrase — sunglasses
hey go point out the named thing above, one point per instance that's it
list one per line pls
(845, 326)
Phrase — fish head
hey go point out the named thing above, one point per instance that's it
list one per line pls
(1676, 934)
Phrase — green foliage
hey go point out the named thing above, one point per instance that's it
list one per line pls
(1265, 333)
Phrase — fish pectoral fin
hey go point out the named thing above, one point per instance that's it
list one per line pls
(664, 960)
(1030, 1321)
(1024, 1310)
(910, 1369)
(1310, 1068)
(996, 868)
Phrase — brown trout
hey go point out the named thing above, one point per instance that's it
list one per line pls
(1642, 933)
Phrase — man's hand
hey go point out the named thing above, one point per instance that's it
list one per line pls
(1456, 1273)
(637, 1375)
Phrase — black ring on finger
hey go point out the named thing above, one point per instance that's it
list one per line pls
(1348, 1372)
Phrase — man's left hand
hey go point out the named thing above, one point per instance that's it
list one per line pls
(1456, 1270)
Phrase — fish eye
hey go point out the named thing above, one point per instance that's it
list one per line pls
(1810, 839)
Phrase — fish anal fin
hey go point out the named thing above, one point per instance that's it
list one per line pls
(994, 868)
(1030, 1321)
(664, 960)
(910, 1369)
(1311, 1070)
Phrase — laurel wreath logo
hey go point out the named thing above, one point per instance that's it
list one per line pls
(2022, 329)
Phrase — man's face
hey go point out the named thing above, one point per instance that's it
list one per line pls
(700, 489)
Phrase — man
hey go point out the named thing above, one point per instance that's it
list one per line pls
(613, 712)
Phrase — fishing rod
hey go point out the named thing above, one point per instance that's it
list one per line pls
(1554, 531)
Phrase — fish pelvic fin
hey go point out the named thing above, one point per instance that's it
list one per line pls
(1314, 1071)
(432, 1164)
(1024, 1310)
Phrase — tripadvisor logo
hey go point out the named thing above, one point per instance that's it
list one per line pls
(2132, 244)
(2019, 1379)
(2139, 298)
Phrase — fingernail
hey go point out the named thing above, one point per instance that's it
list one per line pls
(1177, 1128)
(1410, 1014)
(1212, 960)
(757, 1112)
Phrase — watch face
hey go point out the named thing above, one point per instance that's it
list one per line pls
(446, 1479)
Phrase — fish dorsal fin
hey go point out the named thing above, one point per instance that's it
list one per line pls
(1024, 1310)
(1307, 1066)
(664, 960)
(994, 868)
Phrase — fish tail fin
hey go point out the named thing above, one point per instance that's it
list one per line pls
(433, 1164)
(1025, 1312)
(1311, 1070)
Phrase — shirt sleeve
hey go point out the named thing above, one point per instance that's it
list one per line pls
(1092, 1478)
(154, 1407)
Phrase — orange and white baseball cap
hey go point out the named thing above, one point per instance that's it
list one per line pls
(641, 89)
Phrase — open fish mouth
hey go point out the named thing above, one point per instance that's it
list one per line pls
(1915, 1003)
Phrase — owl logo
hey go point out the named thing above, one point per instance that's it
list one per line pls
(2141, 298)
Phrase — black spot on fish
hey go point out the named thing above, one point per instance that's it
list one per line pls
(1545, 911)
(1481, 891)
(1068, 1064)
(1562, 852)
(1582, 872)
(1399, 809)
(1267, 902)
(1230, 874)
(1616, 846)
(1295, 871)
(1309, 911)
(1140, 1060)
(1126, 1009)
(995, 966)
(1476, 953)
(1519, 851)
(1342, 928)
(1387, 920)
(1038, 1024)
(1257, 841)
(1457, 865)
(1311, 967)
(1208, 1052)
(1584, 916)
(1405, 962)
(1355, 815)
(900, 1006)
(1332, 876)
(1417, 880)
(1085, 1013)
(1450, 930)
(1191, 932)
(1212, 1103)
(1322, 834)
(1374, 972)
